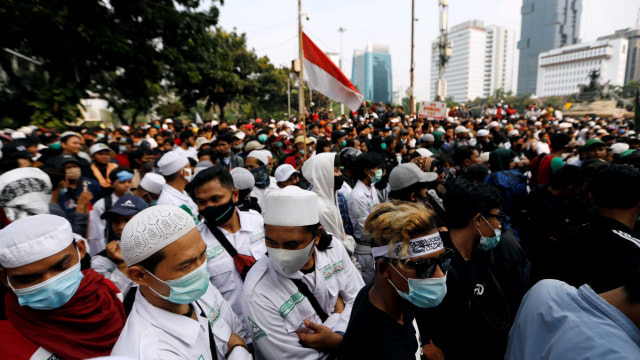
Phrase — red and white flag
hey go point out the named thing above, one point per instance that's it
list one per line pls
(324, 76)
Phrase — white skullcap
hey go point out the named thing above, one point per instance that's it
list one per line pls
(284, 172)
(291, 206)
(424, 152)
(172, 162)
(267, 153)
(513, 132)
(18, 135)
(493, 124)
(152, 182)
(483, 132)
(461, 129)
(484, 157)
(619, 148)
(33, 238)
(427, 138)
(151, 230)
(242, 178)
(257, 154)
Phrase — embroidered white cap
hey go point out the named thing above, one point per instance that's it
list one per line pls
(291, 206)
(258, 154)
(33, 238)
(153, 229)
(242, 178)
(172, 162)
(152, 182)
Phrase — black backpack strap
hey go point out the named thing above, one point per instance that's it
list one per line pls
(222, 239)
(108, 202)
(304, 289)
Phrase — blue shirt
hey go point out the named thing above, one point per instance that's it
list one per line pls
(558, 321)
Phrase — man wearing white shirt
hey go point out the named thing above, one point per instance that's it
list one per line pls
(298, 300)
(176, 313)
(234, 238)
(177, 172)
(187, 142)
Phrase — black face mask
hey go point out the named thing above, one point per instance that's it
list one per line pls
(337, 182)
(218, 215)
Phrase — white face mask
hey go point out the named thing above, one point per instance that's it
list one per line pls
(290, 261)
(188, 175)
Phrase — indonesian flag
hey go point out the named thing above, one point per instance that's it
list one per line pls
(324, 76)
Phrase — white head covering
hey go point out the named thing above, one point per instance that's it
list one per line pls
(24, 192)
(424, 152)
(152, 182)
(483, 132)
(33, 238)
(242, 178)
(284, 172)
(258, 154)
(151, 230)
(291, 206)
(97, 148)
(172, 162)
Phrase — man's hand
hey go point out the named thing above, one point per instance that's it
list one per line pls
(432, 352)
(83, 202)
(235, 340)
(115, 254)
(322, 338)
(339, 306)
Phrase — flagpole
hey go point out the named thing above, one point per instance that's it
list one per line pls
(301, 81)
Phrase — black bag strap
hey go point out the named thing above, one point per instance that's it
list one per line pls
(108, 202)
(222, 239)
(304, 289)
(212, 342)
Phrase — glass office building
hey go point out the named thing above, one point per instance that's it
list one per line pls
(371, 73)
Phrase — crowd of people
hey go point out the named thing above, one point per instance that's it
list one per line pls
(376, 235)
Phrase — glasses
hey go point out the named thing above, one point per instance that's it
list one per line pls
(426, 267)
(500, 217)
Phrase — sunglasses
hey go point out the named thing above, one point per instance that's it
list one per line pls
(500, 217)
(426, 267)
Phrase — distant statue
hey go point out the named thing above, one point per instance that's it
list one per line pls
(594, 91)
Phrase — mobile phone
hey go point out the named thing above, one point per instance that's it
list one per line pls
(85, 185)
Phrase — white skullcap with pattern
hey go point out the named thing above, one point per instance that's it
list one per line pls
(151, 230)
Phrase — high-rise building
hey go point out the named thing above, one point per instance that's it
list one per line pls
(632, 69)
(483, 60)
(546, 25)
(371, 73)
(560, 71)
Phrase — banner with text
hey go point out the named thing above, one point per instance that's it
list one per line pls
(432, 110)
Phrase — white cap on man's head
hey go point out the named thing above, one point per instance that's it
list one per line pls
(172, 162)
(284, 172)
(405, 175)
(152, 182)
(242, 178)
(153, 229)
(291, 206)
(33, 238)
(483, 132)
(95, 148)
(461, 129)
(258, 154)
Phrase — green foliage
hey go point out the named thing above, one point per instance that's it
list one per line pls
(554, 101)
(629, 89)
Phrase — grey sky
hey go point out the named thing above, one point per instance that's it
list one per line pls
(271, 27)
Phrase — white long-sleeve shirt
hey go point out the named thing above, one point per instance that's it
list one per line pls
(275, 308)
(361, 200)
(152, 333)
(98, 225)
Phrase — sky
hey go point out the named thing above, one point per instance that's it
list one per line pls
(271, 27)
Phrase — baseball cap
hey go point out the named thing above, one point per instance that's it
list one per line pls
(461, 129)
(95, 148)
(405, 175)
(284, 172)
(127, 205)
(593, 142)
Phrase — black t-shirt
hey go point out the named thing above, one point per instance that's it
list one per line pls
(372, 334)
(599, 254)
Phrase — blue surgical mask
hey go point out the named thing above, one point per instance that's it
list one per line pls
(188, 288)
(383, 146)
(377, 177)
(278, 145)
(423, 293)
(488, 243)
(122, 148)
(262, 138)
(52, 293)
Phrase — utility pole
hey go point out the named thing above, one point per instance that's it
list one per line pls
(413, 21)
(289, 95)
(444, 49)
(341, 30)
(301, 60)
